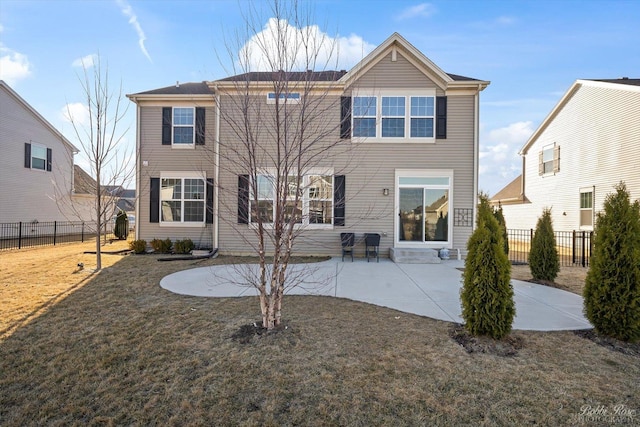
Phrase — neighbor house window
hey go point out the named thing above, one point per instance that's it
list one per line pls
(398, 117)
(549, 160)
(314, 204)
(364, 116)
(183, 125)
(182, 200)
(586, 208)
(38, 157)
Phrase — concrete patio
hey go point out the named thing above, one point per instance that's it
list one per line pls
(431, 290)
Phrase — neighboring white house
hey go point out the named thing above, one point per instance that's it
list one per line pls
(36, 167)
(587, 144)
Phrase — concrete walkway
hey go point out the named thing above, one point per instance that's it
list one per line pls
(431, 290)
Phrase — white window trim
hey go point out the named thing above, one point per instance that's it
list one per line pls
(545, 148)
(285, 98)
(181, 146)
(35, 144)
(582, 191)
(184, 175)
(423, 173)
(305, 199)
(407, 94)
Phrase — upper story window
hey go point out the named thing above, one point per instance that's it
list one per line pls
(183, 125)
(395, 116)
(37, 156)
(289, 97)
(549, 159)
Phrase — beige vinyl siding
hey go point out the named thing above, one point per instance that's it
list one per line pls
(164, 158)
(369, 168)
(598, 132)
(401, 74)
(29, 194)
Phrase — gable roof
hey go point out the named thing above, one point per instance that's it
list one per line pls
(38, 116)
(82, 181)
(199, 88)
(510, 194)
(417, 58)
(626, 84)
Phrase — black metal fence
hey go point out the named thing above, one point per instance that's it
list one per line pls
(18, 235)
(574, 247)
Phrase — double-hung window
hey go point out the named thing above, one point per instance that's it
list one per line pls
(549, 159)
(314, 204)
(422, 111)
(393, 112)
(364, 116)
(183, 125)
(38, 157)
(586, 207)
(182, 200)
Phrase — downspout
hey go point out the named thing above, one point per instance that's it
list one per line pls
(216, 173)
(138, 173)
(476, 149)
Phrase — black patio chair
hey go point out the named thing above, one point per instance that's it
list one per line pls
(372, 246)
(348, 242)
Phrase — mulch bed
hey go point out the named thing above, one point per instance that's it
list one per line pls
(630, 349)
(254, 332)
(506, 347)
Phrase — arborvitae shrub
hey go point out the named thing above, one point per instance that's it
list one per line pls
(121, 229)
(487, 294)
(138, 246)
(503, 225)
(183, 246)
(544, 261)
(161, 246)
(612, 287)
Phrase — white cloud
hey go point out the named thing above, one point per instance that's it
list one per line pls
(499, 159)
(14, 66)
(127, 11)
(86, 61)
(260, 53)
(423, 10)
(76, 112)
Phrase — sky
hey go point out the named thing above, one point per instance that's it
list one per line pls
(530, 51)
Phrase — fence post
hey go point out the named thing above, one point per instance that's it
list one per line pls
(55, 230)
(583, 249)
(82, 235)
(573, 247)
(20, 236)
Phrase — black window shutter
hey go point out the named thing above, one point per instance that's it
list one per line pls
(154, 201)
(27, 155)
(200, 115)
(166, 125)
(345, 117)
(49, 159)
(338, 200)
(209, 205)
(441, 117)
(243, 199)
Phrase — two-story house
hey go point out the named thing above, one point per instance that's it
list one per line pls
(36, 167)
(402, 158)
(587, 144)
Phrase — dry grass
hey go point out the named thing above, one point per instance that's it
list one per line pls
(569, 278)
(119, 350)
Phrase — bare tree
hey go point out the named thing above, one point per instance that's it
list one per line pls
(282, 150)
(98, 131)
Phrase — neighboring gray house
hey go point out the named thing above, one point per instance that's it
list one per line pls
(587, 144)
(408, 130)
(36, 167)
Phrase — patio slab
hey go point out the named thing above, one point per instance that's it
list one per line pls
(431, 290)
